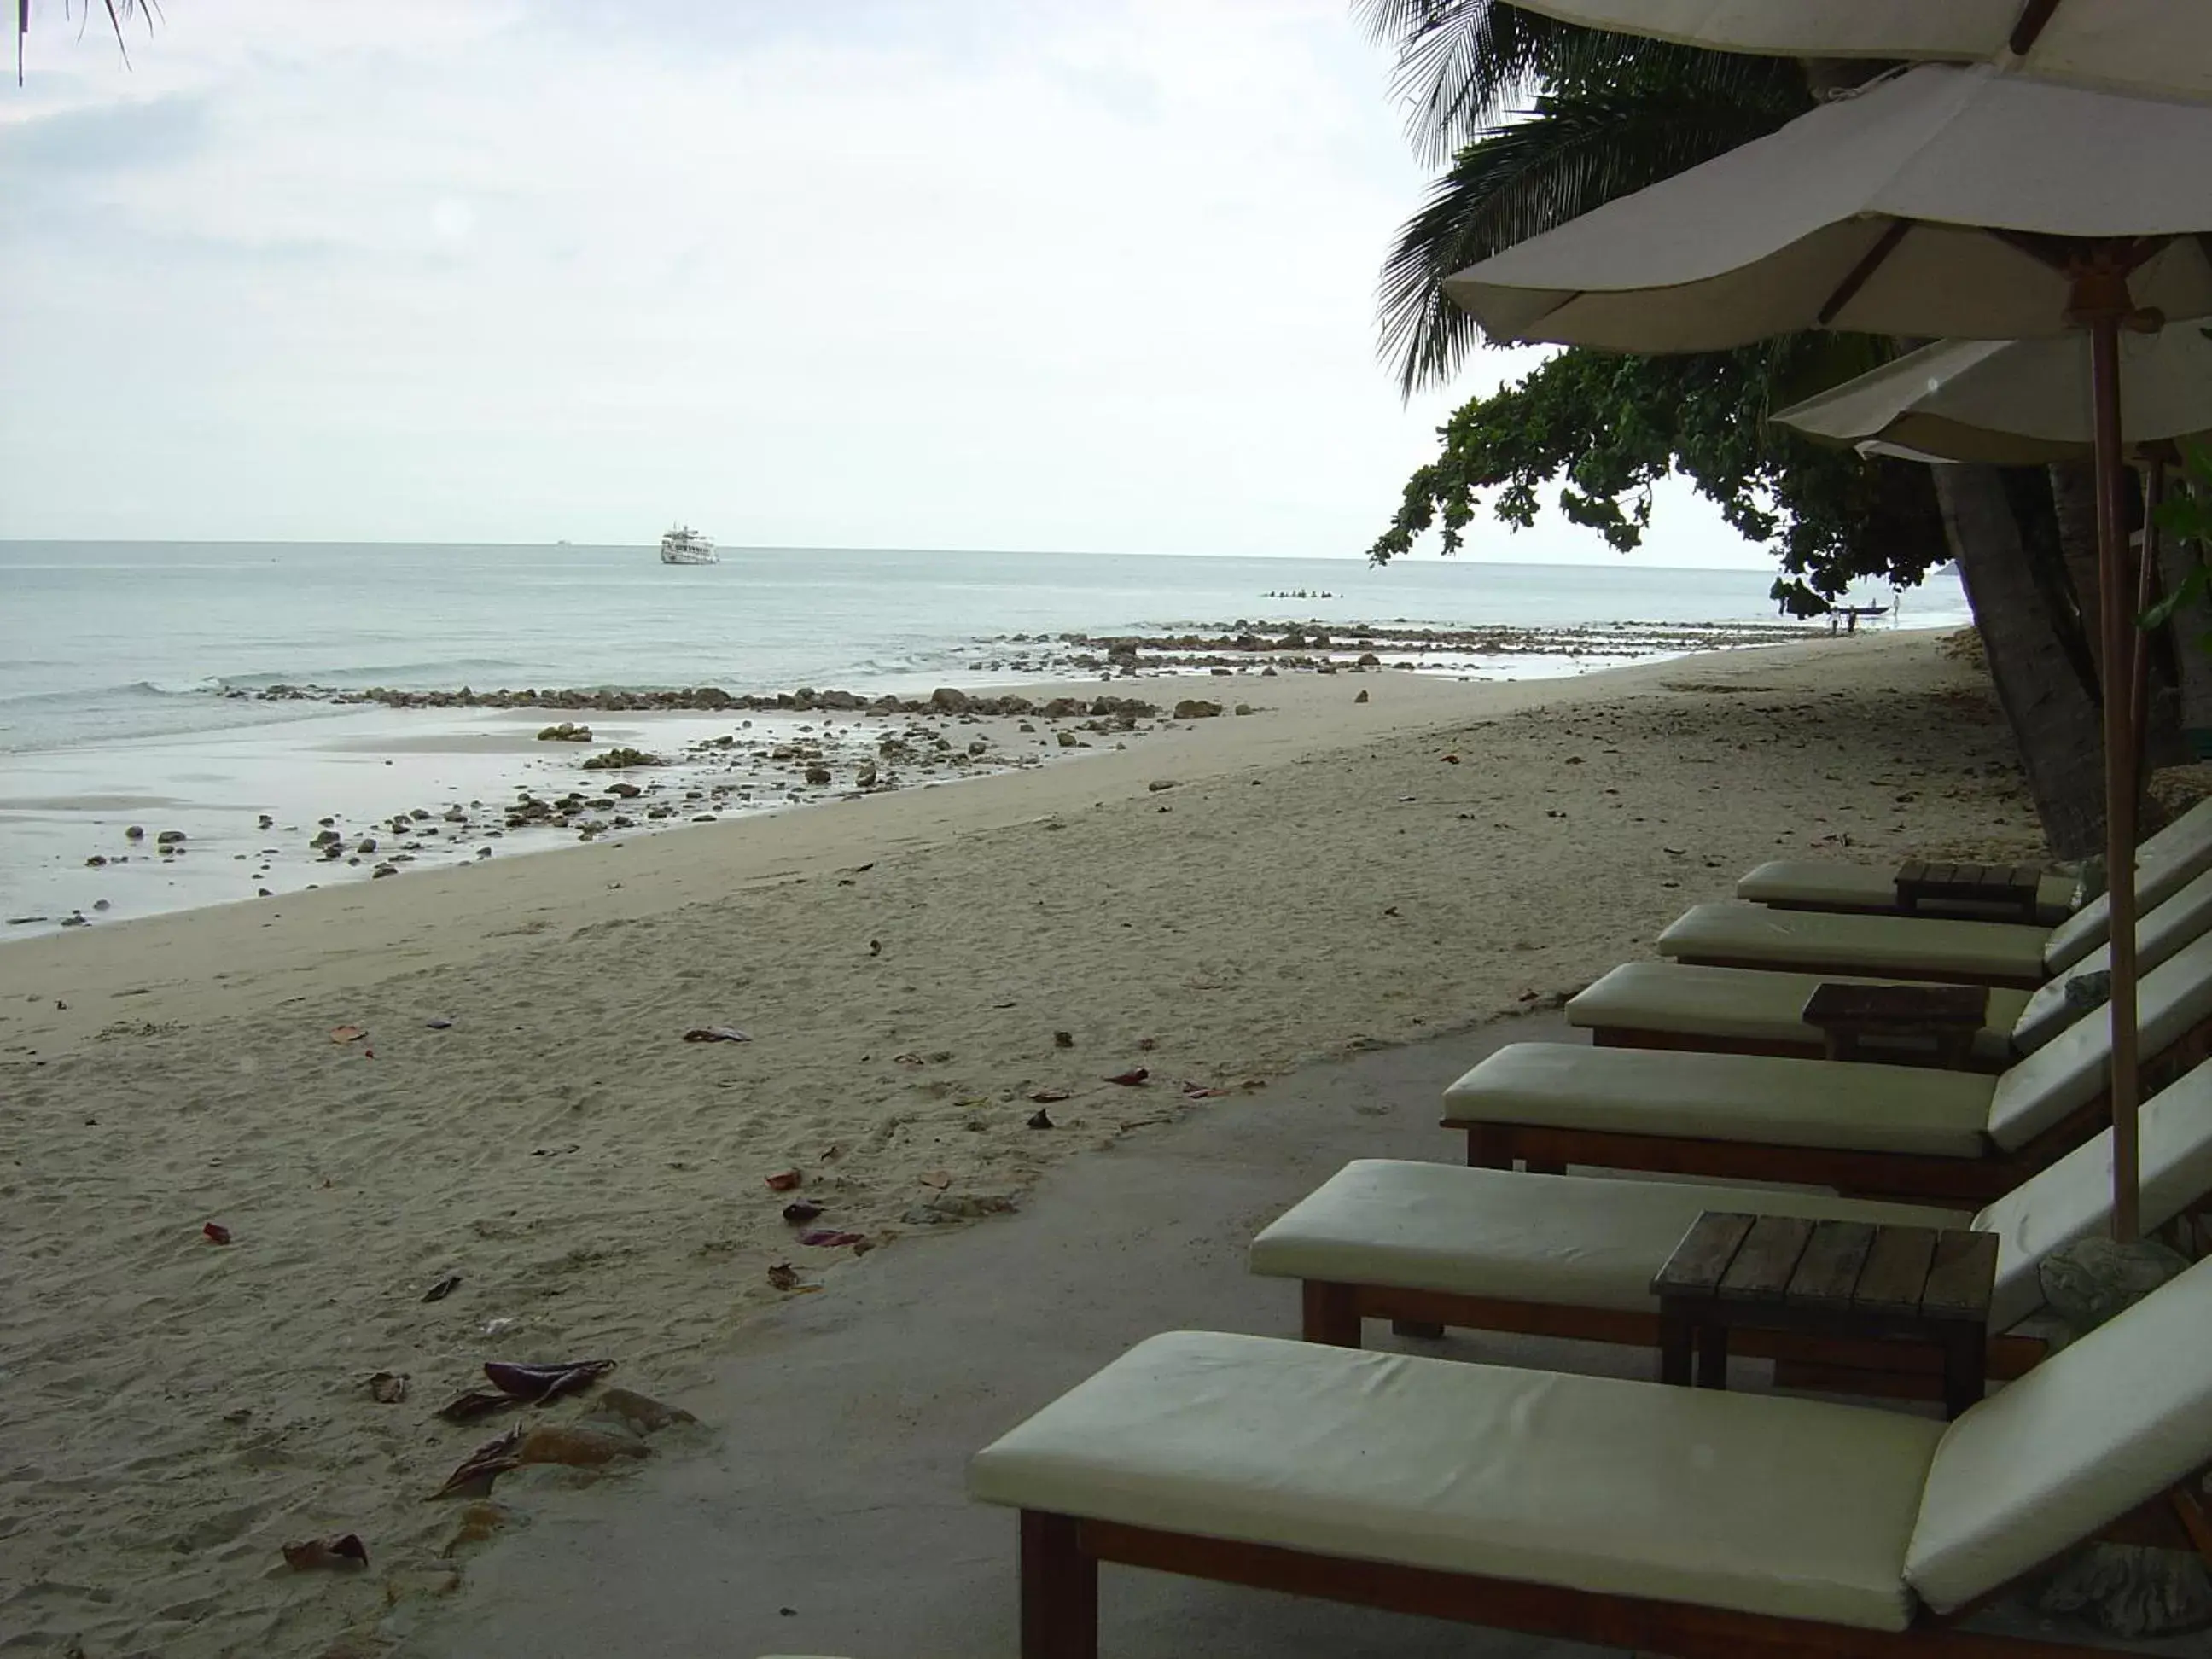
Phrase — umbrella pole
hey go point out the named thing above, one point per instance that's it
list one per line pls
(2119, 629)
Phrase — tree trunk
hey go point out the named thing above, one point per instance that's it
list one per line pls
(2073, 499)
(2054, 719)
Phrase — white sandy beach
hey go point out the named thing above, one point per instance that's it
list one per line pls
(1321, 875)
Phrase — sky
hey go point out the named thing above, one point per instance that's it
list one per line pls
(1084, 275)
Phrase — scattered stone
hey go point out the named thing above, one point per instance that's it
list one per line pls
(1362, 697)
(639, 1414)
(136, 832)
(817, 776)
(1158, 784)
(1243, 708)
(566, 731)
(170, 838)
(95, 862)
(1066, 739)
(1193, 709)
(621, 756)
(388, 1388)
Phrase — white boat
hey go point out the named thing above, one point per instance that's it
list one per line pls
(685, 545)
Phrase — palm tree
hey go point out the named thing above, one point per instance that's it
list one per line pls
(1540, 122)
(117, 11)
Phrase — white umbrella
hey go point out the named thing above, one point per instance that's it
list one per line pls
(1967, 203)
(2016, 403)
(2160, 48)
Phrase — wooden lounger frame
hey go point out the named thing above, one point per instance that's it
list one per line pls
(1061, 1555)
(1918, 1176)
(1846, 969)
(1812, 1047)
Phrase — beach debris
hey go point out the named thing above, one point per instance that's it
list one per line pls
(715, 1034)
(444, 1288)
(388, 1388)
(785, 1276)
(1390, 909)
(477, 1403)
(831, 1238)
(344, 1549)
(1146, 1045)
(1041, 1119)
(579, 1445)
(640, 1412)
(344, 1034)
(940, 1179)
(1063, 1039)
(1451, 760)
(1203, 1091)
(473, 1476)
(1047, 1096)
(804, 1209)
(440, 1022)
(535, 1384)
(481, 1521)
(76, 919)
(875, 947)
(909, 1058)
(1131, 1078)
(1158, 784)
(1362, 697)
(216, 1233)
(785, 1181)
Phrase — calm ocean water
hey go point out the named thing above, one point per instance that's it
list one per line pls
(101, 642)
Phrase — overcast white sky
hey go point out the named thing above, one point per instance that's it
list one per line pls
(1033, 274)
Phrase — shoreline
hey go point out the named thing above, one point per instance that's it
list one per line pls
(102, 833)
(523, 1111)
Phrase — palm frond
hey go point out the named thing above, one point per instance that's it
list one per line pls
(117, 10)
(1462, 63)
(1578, 151)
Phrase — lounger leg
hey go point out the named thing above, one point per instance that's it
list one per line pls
(1060, 1590)
(1543, 1166)
(1966, 1370)
(1332, 1314)
(1418, 1327)
(1484, 1150)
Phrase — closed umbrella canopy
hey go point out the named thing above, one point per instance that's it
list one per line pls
(2016, 402)
(2160, 48)
(1931, 203)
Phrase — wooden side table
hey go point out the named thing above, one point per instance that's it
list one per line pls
(1988, 889)
(1914, 1023)
(1840, 1280)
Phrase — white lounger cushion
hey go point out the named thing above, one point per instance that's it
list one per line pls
(1743, 1004)
(2161, 932)
(1796, 1508)
(1729, 930)
(1745, 1098)
(2072, 1198)
(1569, 1240)
(1818, 883)
(2087, 1435)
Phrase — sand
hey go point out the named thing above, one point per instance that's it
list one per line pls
(1319, 878)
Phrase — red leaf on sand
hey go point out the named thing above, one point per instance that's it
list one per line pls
(784, 1180)
(1046, 1097)
(1130, 1080)
(823, 1236)
(216, 1233)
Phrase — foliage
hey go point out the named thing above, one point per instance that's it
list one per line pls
(2186, 515)
(1609, 427)
(1592, 135)
(117, 10)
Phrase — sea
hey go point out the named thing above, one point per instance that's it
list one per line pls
(121, 664)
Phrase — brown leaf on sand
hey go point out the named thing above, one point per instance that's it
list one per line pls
(803, 1210)
(388, 1388)
(784, 1180)
(579, 1445)
(347, 1034)
(477, 1403)
(444, 1288)
(344, 1550)
(1041, 1119)
(715, 1034)
(1131, 1078)
(1046, 1097)
(940, 1179)
(216, 1233)
(785, 1276)
(1201, 1091)
(539, 1383)
(476, 1473)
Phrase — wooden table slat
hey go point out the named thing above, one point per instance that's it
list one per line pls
(1828, 1273)
(1961, 1275)
(1896, 1269)
(1704, 1255)
(1761, 1270)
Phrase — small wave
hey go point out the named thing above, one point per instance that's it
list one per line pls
(128, 689)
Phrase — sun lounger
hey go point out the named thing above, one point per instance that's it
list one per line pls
(1666, 1520)
(1574, 1256)
(1674, 1004)
(2178, 854)
(1885, 1131)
